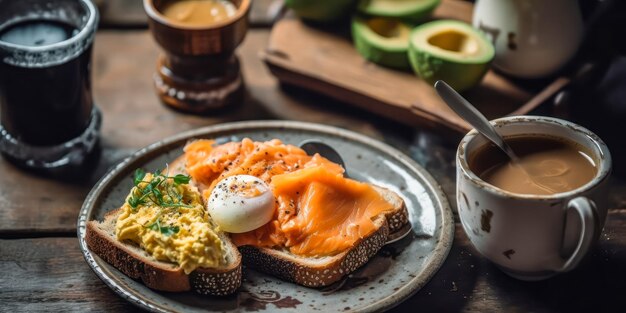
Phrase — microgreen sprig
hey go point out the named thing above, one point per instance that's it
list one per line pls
(156, 189)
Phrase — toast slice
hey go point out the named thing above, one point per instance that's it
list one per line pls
(136, 263)
(323, 271)
(132, 260)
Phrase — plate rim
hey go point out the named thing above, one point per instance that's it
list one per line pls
(440, 252)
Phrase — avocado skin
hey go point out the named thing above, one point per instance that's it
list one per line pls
(387, 57)
(323, 11)
(431, 68)
(410, 16)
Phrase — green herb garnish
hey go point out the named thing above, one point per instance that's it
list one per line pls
(181, 179)
(139, 175)
(165, 230)
(160, 190)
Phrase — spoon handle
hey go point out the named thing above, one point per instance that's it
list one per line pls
(470, 114)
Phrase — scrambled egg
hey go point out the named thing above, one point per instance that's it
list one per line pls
(171, 224)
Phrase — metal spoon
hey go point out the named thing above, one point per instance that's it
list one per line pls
(469, 113)
(313, 146)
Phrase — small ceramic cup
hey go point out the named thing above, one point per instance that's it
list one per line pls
(532, 237)
(198, 71)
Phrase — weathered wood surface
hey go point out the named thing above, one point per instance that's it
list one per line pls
(468, 282)
(50, 274)
(325, 60)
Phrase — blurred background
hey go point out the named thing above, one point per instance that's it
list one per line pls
(594, 95)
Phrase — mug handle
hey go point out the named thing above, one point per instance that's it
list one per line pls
(585, 209)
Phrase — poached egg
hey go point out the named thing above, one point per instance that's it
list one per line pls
(241, 203)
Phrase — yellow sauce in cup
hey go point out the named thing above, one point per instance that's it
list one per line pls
(199, 12)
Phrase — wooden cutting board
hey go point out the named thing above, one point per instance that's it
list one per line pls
(324, 60)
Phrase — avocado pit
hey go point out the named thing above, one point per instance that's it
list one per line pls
(389, 29)
(455, 42)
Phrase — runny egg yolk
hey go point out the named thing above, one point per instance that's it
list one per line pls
(241, 203)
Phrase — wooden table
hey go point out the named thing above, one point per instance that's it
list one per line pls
(42, 269)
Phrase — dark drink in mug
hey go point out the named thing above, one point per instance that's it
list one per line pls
(47, 116)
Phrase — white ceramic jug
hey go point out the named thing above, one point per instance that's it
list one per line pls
(533, 38)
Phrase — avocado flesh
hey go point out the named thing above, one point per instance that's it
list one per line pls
(452, 51)
(411, 11)
(323, 11)
(382, 41)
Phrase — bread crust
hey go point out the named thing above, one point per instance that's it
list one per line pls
(295, 269)
(398, 218)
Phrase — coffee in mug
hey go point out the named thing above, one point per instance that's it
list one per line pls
(546, 165)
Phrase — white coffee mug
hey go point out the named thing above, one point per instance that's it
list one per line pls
(533, 237)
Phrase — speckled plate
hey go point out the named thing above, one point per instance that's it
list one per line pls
(394, 274)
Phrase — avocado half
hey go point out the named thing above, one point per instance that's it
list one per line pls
(452, 51)
(381, 40)
(408, 10)
(323, 11)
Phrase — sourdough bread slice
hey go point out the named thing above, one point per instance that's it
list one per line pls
(323, 271)
(316, 271)
(136, 263)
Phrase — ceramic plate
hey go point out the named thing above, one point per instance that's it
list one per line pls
(394, 274)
